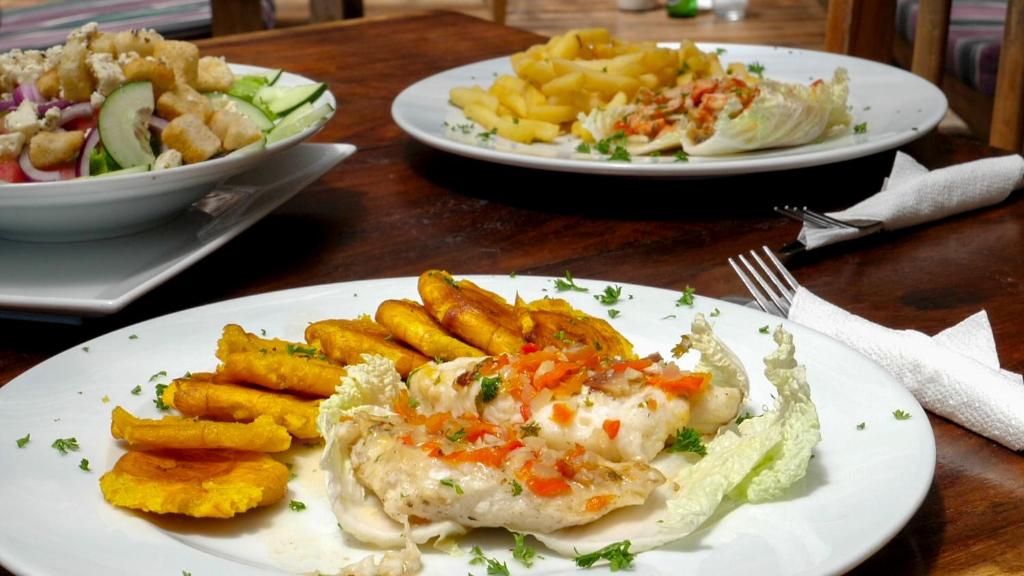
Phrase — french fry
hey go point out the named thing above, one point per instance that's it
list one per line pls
(411, 323)
(275, 364)
(554, 114)
(234, 403)
(567, 83)
(463, 97)
(510, 98)
(172, 432)
(492, 121)
(346, 341)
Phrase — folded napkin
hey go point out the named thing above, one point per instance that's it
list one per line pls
(954, 374)
(913, 195)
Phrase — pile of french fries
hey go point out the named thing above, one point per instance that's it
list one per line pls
(265, 391)
(575, 73)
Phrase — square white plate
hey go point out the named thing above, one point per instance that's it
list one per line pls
(49, 281)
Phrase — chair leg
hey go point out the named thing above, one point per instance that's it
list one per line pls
(863, 28)
(930, 40)
(498, 9)
(327, 10)
(1007, 116)
(235, 16)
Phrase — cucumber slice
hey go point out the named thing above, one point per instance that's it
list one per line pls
(250, 148)
(281, 100)
(133, 170)
(301, 118)
(273, 76)
(244, 108)
(123, 124)
(246, 87)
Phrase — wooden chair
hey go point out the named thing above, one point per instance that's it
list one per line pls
(866, 28)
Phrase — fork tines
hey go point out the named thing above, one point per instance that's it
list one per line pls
(774, 295)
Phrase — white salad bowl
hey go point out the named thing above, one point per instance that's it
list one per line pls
(108, 206)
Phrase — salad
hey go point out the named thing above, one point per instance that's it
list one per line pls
(109, 103)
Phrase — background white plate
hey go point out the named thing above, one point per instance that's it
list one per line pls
(91, 208)
(861, 488)
(897, 106)
(98, 277)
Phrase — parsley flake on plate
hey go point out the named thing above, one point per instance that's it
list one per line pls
(137, 390)
(65, 445)
(716, 312)
(567, 283)
(688, 440)
(610, 295)
(617, 555)
(861, 425)
(453, 485)
(457, 436)
(494, 568)
(84, 465)
(583, 148)
(158, 375)
(489, 387)
(763, 329)
(686, 299)
(620, 154)
(522, 552)
(23, 440)
(159, 400)
(613, 313)
(756, 68)
(861, 128)
(682, 156)
(297, 505)
(517, 488)
(901, 415)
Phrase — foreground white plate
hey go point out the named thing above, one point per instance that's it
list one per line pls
(861, 488)
(91, 208)
(50, 281)
(896, 105)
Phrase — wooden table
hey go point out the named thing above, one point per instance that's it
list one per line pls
(397, 208)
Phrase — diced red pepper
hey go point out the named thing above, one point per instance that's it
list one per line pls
(562, 414)
(686, 384)
(611, 428)
(548, 487)
(599, 503)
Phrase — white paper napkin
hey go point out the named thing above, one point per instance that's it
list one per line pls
(954, 374)
(913, 195)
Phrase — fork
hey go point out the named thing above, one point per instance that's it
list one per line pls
(821, 220)
(777, 300)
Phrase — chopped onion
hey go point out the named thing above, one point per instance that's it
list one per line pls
(83, 168)
(82, 110)
(33, 173)
(27, 91)
(157, 124)
(62, 104)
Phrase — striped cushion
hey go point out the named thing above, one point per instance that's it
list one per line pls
(975, 38)
(49, 23)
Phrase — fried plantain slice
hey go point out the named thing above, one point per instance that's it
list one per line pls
(172, 432)
(235, 403)
(346, 341)
(198, 483)
(411, 323)
(554, 322)
(276, 364)
(476, 316)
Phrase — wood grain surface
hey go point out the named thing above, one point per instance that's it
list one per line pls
(396, 208)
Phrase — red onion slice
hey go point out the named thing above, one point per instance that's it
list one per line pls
(27, 91)
(35, 174)
(84, 169)
(81, 110)
(62, 104)
(157, 124)
(7, 105)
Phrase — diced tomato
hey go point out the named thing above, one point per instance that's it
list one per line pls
(611, 428)
(638, 365)
(562, 414)
(525, 411)
(83, 124)
(529, 348)
(436, 421)
(11, 172)
(652, 404)
(585, 355)
(552, 377)
(432, 449)
(571, 385)
(530, 362)
(548, 487)
(478, 429)
(493, 456)
(406, 439)
(598, 503)
(685, 384)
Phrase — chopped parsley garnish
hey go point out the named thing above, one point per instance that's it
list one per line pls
(159, 400)
(457, 436)
(517, 488)
(605, 146)
(617, 555)
(620, 154)
(186, 573)
(682, 156)
(158, 375)
(84, 465)
(744, 416)
(610, 295)
(65, 445)
(756, 68)
(560, 335)
(860, 128)
(861, 425)
(263, 332)
(901, 415)
(486, 136)
(137, 390)
(413, 403)
(613, 313)
(512, 274)
(522, 552)
(719, 51)
(688, 440)
(567, 283)
(583, 148)
(669, 317)
(763, 329)
(529, 429)
(85, 348)
(133, 337)
(297, 350)
(464, 128)
(23, 440)
(489, 388)
(686, 299)
(297, 505)
(453, 485)
(715, 312)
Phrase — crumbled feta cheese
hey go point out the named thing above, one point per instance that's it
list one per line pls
(24, 119)
(85, 33)
(52, 56)
(125, 57)
(20, 67)
(97, 100)
(170, 158)
(10, 145)
(106, 71)
(50, 120)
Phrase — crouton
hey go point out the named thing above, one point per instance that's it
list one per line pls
(48, 150)
(103, 42)
(214, 75)
(49, 84)
(142, 42)
(75, 80)
(158, 72)
(183, 57)
(183, 100)
(190, 136)
(234, 129)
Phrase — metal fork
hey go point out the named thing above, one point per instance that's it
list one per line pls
(824, 220)
(774, 300)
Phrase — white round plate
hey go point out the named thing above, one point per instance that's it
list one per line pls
(862, 486)
(93, 208)
(896, 105)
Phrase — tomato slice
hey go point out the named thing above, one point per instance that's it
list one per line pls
(11, 172)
